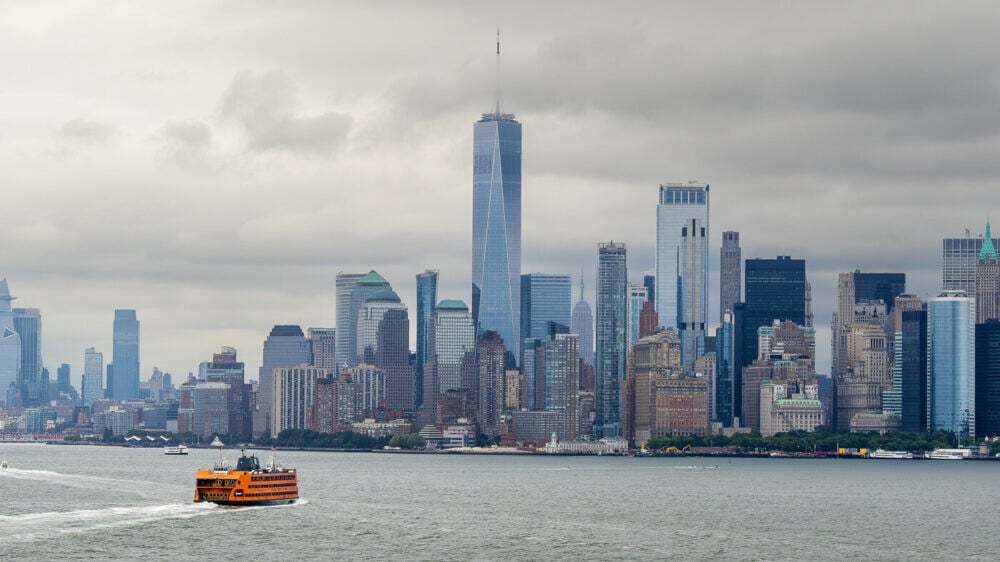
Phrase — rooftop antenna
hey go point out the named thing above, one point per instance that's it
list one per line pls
(581, 283)
(498, 72)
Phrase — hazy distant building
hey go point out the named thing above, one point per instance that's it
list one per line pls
(678, 203)
(93, 376)
(496, 227)
(324, 347)
(63, 378)
(649, 282)
(612, 323)
(347, 317)
(28, 325)
(10, 346)
(427, 283)
(730, 273)
(693, 289)
(125, 356)
(951, 360)
(286, 346)
(582, 324)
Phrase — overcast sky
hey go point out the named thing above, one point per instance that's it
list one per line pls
(215, 164)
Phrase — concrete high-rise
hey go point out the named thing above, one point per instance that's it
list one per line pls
(692, 290)
(63, 378)
(125, 356)
(92, 387)
(678, 203)
(951, 361)
(286, 346)
(324, 347)
(491, 355)
(562, 382)
(730, 273)
(427, 283)
(612, 323)
(496, 227)
(582, 324)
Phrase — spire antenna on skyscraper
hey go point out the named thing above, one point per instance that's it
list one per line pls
(498, 72)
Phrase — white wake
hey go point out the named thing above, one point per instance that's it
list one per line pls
(29, 526)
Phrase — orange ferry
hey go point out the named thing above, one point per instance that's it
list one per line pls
(247, 484)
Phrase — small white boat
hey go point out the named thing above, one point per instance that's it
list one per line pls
(178, 450)
(883, 454)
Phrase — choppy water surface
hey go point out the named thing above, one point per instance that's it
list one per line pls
(63, 502)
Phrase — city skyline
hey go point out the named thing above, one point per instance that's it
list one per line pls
(194, 191)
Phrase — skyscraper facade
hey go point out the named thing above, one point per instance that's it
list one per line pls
(28, 325)
(951, 362)
(730, 273)
(346, 317)
(10, 347)
(679, 202)
(496, 227)
(286, 346)
(92, 387)
(693, 290)
(125, 355)
(451, 343)
(582, 324)
(392, 356)
(724, 371)
(637, 296)
(913, 370)
(562, 382)
(612, 323)
(324, 347)
(363, 288)
(370, 319)
(987, 281)
(988, 379)
(427, 283)
(544, 298)
(958, 263)
(492, 360)
(649, 282)
(62, 378)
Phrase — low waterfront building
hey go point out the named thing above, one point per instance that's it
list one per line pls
(880, 423)
(604, 446)
(789, 406)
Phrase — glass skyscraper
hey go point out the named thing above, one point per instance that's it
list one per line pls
(427, 283)
(951, 362)
(125, 356)
(496, 228)
(730, 273)
(92, 387)
(451, 343)
(958, 263)
(353, 291)
(286, 346)
(679, 203)
(28, 325)
(612, 323)
(544, 298)
(636, 296)
(10, 346)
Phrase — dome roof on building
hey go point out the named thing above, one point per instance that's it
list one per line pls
(384, 294)
(452, 305)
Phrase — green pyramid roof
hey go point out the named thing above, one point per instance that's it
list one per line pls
(988, 250)
(384, 294)
(373, 278)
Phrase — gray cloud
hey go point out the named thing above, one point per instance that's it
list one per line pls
(83, 132)
(264, 106)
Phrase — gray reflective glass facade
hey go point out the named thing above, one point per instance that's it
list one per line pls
(958, 263)
(544, 298)
(612, 323)
(28, 325)
(951, 360)
(678, 203)
(345, 317)
(286, 346)
(427, 283)
(496, 228)
(125, 353)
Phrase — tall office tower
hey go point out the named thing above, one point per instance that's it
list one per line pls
(951, 361)
(109, 381)
(730, 273)
(346, 317)
(451, 346)
(544, 298)
(496, 227)
(125, 356)
(285, 346)
(885, 287)
(28, 325)
(582, 324)
(370, 319)
(10, 347)
(427, 283)
(987, 281)
(293, 389)
(636, 298)
(92, 386)
(774, 290)
(612, 323)
(392, 355)
(692, 290)
(653, 357)
(958, 262)
(724, 371)
(649, 282)
(62, 378)
(988, 379)
(892, 399)
(324, 347)
(347, 334)
(225, 368)
(562, 382)
(491, 355)
(679, 202)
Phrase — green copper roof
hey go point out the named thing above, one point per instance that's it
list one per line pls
(373, 278)
(988, 250)
(385, 294)
(452, 305)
